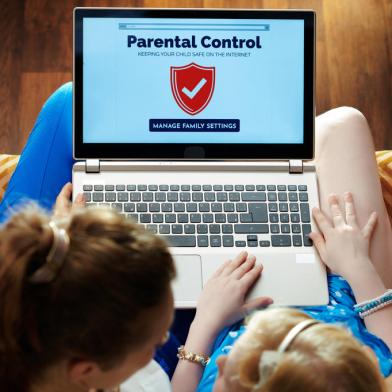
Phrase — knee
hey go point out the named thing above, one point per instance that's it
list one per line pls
(55, 104)
(62, 94)
(341, 122)
(345, 114)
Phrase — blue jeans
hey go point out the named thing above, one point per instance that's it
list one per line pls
(46, 161)
(45, 166)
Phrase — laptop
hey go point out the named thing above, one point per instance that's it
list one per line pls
(199, 125)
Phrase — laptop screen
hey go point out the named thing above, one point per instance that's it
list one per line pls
(193, 81)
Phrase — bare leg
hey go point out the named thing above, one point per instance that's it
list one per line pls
(345, 162)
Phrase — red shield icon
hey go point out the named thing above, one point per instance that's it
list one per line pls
(192, 86)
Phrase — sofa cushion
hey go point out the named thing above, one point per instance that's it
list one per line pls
(384, 163)
(7, 166)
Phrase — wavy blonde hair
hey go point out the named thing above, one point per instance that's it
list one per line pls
(322, 358)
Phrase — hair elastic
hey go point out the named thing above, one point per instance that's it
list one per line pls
(55, 257)
(269, 359)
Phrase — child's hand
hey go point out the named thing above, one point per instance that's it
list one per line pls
(63, 204)
(342, 244)
(222, 301)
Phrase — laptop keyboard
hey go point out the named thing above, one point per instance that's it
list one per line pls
(213, 215)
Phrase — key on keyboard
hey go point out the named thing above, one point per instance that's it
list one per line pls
(216, 215)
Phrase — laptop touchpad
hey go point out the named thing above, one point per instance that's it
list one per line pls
(188, 283)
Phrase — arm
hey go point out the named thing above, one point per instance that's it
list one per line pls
(344, 247)
(221, 303)
(389, 383)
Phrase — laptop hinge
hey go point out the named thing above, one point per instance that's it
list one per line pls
(92, 166)
(296, 166)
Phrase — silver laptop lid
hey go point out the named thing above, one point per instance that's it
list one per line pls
(210, 84)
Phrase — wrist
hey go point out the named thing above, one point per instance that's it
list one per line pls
(201, 337)
(206, 325)
(366, 283)
(362, 267)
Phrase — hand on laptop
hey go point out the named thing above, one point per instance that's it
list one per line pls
(223, 299)
(342, 244)
(63, 205)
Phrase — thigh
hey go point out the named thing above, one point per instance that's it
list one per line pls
(345, 161)
(46, 162)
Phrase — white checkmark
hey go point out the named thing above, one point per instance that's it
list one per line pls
(191, 94)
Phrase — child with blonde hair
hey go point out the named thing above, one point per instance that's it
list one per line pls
(287, 350)
(289, 353)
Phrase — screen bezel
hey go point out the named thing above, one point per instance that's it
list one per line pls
(178, 151)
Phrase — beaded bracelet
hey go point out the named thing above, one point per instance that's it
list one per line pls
(192, 357)
(365, 308)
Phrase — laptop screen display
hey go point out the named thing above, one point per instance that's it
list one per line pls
(193, 84)
(193, 81)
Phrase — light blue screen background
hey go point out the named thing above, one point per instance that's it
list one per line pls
(123, 90)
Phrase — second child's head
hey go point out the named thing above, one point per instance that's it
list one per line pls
(88, 296)
(320, 358)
